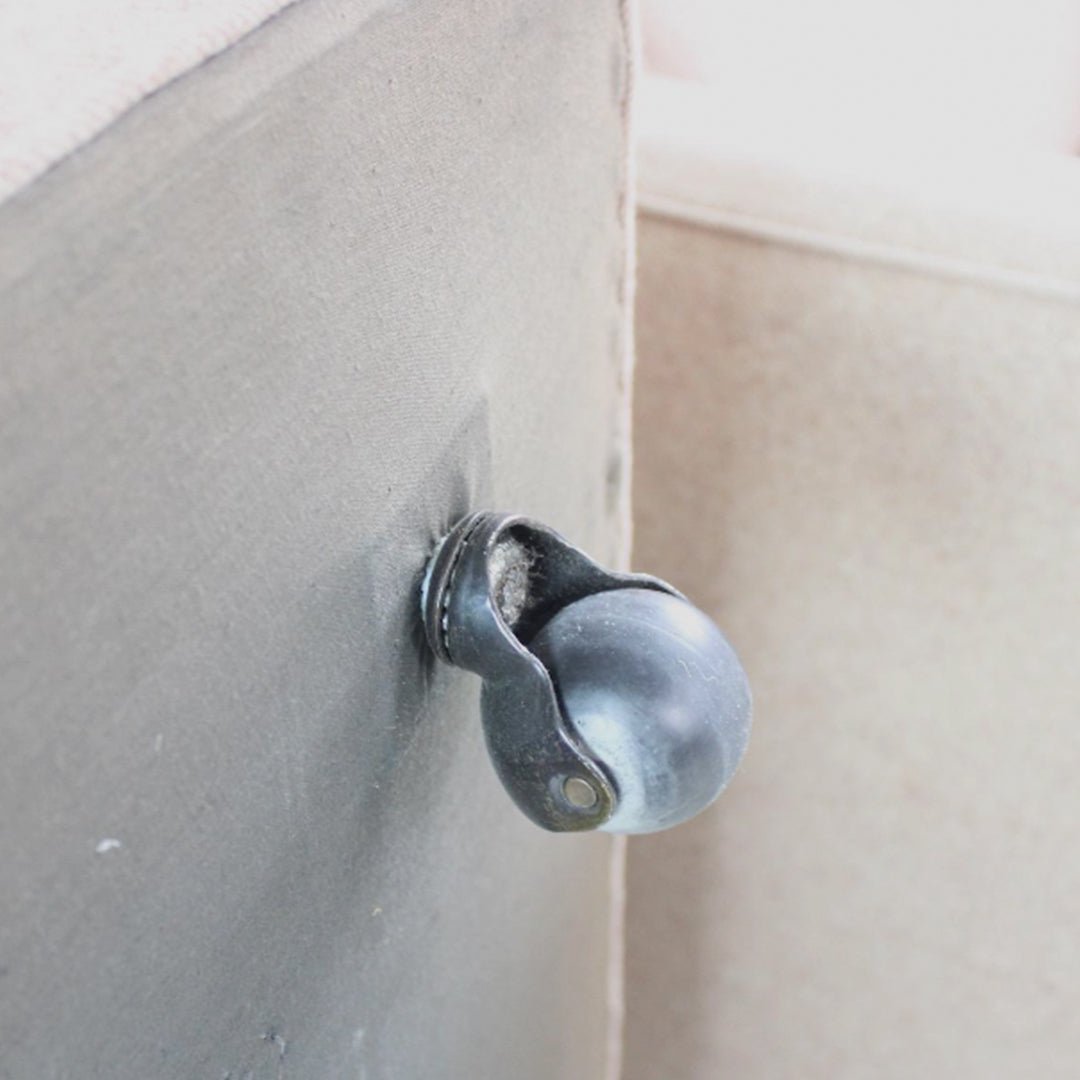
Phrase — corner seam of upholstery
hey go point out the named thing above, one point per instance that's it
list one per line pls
(626, 209)
(855, 249)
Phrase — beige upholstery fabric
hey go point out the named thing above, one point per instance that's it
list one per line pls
(262, 342)
(68, 69)
(858, 444)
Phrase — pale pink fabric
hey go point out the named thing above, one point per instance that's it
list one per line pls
(69, 68)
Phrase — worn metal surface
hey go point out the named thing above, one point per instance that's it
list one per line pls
(609, 700)
(262, 343)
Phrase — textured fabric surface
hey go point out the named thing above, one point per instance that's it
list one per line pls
(868, 468)
(262, 342)
(68, 69)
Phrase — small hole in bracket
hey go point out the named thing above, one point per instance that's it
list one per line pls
(579, 793)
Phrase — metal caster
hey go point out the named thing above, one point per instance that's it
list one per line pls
(609, 701)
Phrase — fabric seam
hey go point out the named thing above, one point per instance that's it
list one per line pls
(893, 257)
(626, 208)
